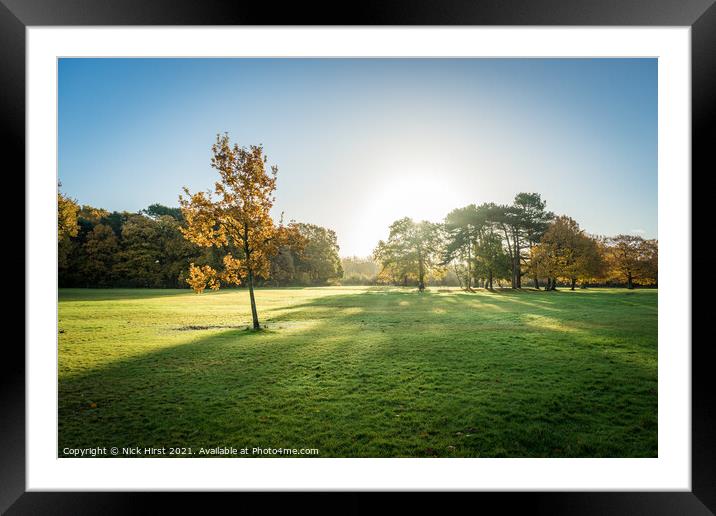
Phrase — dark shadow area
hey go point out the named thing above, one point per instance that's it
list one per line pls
(122, 294)
(119, 294)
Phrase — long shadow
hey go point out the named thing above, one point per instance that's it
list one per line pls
(110, 294)
(364, 375)
(122, 294)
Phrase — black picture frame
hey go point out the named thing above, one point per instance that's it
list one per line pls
(16, 15)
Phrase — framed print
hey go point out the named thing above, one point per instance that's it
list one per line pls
(420, 249)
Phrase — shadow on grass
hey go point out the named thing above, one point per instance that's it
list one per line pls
(85, 295)
(122, 294)
(362, 375)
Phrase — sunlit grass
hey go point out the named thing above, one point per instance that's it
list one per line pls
(362, 371)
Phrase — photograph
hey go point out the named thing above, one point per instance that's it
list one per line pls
(357, 257)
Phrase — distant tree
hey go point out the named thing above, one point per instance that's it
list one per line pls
(100, 251)
(89, 216)
(176, 252)
(157, 211)
(566, 252)
(359, 271)
(556, 255)
(633, 259)
(138, 262)
(116, 220)
(591, 263)
(522, 225)
(288, 262)
(318, 259)
(283, 267)
(535, 221)
(67, 227)
(236, 218)
(491, 260)
(67, 210)
(152, 252)
(72, 257)
(474, 246)
(411, 250)
(462, 227)
(543, 263)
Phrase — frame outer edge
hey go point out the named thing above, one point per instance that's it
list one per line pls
(367, 12)
(12, 393)
(703, 129)
(12, 150)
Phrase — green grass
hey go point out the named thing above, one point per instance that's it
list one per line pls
(362, 372)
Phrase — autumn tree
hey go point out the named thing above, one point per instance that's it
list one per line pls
(411, 250)
(566, 252)
(150, 251)
(67, 210)
(591, 262)
(632, 259)
(100, 251)
(543, 264)
(89, 216)
(153, 252)
(67, 226)
(235, 217)
(72, 256)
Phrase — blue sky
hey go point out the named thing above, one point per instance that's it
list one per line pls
(362, 142)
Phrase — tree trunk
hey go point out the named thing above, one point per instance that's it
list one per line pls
(458, 277)
(421, 271)
(469, 267)
(250, 270)
(630, 284)
(516, 267)
(536, 280)
(254, 314)
(574, 282)
(548, 286)
(490, 279)
(421, 276)
(554, 284)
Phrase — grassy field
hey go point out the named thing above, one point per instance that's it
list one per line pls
(362, 371)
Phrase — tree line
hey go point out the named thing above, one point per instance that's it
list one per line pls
(102, 249)
(520, 242)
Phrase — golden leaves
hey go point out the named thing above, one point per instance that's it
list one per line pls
(233, 271)
(201, 277)
(67, 210)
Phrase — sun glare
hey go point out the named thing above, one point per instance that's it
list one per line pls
(418, 196)
(421, 198)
